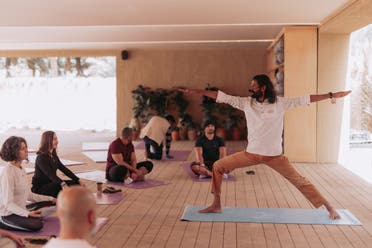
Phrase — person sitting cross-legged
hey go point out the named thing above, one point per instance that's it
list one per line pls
(15, 190)
(45, 180)
(208, 149)
(122, 162)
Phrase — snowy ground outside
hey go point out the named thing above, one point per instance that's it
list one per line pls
(58, 103)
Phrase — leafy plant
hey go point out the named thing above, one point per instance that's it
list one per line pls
(209, 106)
(232, 117)
(181, 103)
(141, 108)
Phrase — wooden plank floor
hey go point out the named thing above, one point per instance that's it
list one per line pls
(150, 217)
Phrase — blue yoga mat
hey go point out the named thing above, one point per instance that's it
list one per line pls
(271, 215)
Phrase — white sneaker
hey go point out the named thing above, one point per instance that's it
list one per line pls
(202, 176)
(225, 176)
(128, 180)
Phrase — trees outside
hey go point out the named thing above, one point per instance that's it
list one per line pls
(58, 93)
(58, 66)
(360, 69)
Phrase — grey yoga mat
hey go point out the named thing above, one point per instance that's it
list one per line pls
(271, 215)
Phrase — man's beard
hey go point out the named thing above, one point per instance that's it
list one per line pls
(256, 94)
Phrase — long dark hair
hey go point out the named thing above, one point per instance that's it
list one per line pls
(264, 80)
(11, 147)
(46, 143)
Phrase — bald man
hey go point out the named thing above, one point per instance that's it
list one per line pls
(76, 210)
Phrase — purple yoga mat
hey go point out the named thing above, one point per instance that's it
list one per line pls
(99, 176)
(51, 227)
(195, 178)
(148, 183)
(178, 155)
(139, 145)
(109, 199)
(230, 152)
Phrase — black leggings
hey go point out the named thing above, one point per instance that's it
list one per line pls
(15, 222)
(117, 173)
(51, 189)
(158, 150)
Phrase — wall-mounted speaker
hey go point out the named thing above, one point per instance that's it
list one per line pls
(124, 55)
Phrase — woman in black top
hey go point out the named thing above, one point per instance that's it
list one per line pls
(45, 180)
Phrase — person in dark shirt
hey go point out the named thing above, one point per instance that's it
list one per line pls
(45, 180)
(122, 162)
(208, 149)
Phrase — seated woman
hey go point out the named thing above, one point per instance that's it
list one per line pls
(45, 180)
(122, 162)
(15, 190)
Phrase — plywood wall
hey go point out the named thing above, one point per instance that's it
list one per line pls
(332, 69)
(228, 69)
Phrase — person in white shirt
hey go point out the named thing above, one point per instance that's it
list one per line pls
(15, 190)
(157, 131)
(76, 210)
(264, 113)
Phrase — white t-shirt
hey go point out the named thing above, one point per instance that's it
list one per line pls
(67, 243)
(155, 129)
(264, 120)
(15, 191)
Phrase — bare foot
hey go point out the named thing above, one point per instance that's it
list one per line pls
(210, 209)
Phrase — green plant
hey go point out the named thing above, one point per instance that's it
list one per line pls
(148, 102)
(181, 103)
(188, 122)
(209, 106)
(232, 117)
(159, 100)
(141, 97)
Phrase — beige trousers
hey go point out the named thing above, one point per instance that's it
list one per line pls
(279, 163)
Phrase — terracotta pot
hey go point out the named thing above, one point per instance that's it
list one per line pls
(175, 135)
(183, 132)
(191, 134)
(221, 132)
(236, 133)
(135, 124)
(135, 134)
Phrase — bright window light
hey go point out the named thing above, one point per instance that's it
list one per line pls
(58, 93)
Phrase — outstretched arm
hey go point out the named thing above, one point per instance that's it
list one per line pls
(317, 98)
(208, 93)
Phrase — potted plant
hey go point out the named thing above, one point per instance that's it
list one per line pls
(159, 100)
(211, 110)
(181, 104)
(135, 125)
(141, 108)
(232, 122)
(190, 126)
